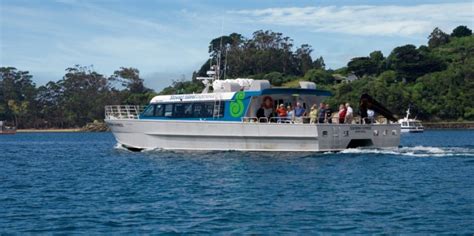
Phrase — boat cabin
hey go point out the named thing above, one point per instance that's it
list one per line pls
(232, 100)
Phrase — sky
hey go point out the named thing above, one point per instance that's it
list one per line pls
(167, 40)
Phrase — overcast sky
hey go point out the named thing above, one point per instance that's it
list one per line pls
(168, 39)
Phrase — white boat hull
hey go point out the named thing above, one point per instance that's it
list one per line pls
(212, 135)
(412, 130)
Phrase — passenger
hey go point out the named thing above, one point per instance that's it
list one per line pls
(281, 112)
(268, 107)
(370, 116)
(299, 110)
(349, 114)
(290, 113)
(328, 114)
(322, 113)
(299, 113)
(313, 114)
(342, 113)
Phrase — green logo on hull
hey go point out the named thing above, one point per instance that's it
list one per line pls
(237, 106)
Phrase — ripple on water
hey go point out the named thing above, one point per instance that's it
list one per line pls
(78, 182)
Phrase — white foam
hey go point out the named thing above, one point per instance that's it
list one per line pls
(416, 151)
(120, 147)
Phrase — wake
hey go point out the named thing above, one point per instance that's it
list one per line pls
(416, 151)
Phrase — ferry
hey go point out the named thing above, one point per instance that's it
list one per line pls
(226, 119)
(409, 125)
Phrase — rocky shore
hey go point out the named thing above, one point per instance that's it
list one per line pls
(95, 127)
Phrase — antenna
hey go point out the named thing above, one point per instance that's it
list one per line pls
(214, 71)
(220, 51)
(225, 63)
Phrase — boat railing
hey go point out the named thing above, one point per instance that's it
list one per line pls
(305, 120)
(114, 112)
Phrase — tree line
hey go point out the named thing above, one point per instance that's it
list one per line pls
(75, 100)
(436, 79)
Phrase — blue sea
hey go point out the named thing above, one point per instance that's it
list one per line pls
(62, 183)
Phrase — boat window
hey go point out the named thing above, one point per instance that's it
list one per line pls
(325, 133)
(404, 124)
(190, 110)
(411, 123)
(198, 110)
(159, 109)
(149, 111)
(182, 110)
(220, 111)
(168, 110)
(418, 124)
(208, 109)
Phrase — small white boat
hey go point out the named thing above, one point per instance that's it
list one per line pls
(408, 125)
(228, 119)
(4, 129)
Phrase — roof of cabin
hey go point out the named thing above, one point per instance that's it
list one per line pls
(230, 95)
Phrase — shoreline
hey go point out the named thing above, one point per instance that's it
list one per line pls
(49, 130)
(466, 125)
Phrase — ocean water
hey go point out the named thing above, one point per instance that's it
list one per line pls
(83, 183)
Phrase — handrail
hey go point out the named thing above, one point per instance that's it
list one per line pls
(298, 120)
(113, 112)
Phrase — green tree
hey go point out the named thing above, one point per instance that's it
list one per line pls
(275, 78)
(378, 60)
(410, 64)
(437, 38)
(319, 76)
(303, 56)
(182, 86)
(362, 66)
(461, 31)
(85, 94)
(130, 79)
(135, 92)
(18, 89)
(19, 110)
(319, 63)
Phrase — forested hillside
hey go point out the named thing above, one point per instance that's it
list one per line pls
(78, 98)
(437, 79)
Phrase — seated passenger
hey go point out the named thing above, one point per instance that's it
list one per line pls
(290, 114)
(281, 112)
(266, 110)
(328, 114)
(313, 114)
(322, 113)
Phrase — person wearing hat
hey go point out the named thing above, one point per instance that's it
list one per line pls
(282, 112)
